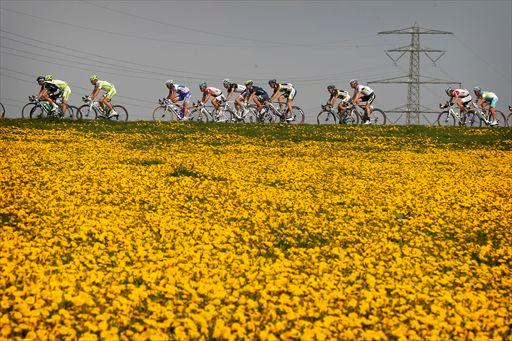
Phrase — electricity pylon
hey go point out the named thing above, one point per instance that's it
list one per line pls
(413, 108)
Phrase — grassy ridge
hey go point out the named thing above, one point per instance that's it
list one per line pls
(423, 136)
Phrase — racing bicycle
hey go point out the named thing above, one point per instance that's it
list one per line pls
(453, 117)
(484, 117)
(167, 111)
(273, 115)
(94, 110)
(378, 116)
(329, 116)
(43, 109)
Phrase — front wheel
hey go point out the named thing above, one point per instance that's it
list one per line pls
(162, 114)
(445, 119)
(509, 120)
(122, 113)
(38, 112)
(326, 117)
(2, 110)
(378, 117)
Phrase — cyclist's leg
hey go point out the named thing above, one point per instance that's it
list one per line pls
(289, 102)
(258, 102)
(492, 107)
(65, 98)
(107, 98)
(186, 101)
(215, 103)
(368, 106)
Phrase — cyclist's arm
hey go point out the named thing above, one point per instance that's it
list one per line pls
(480, 102)
(95, 93)
(42, 92)
(332, 100)
(357, 96)
(170, 95)
(205, 99)
(274, 95)
(229, 94)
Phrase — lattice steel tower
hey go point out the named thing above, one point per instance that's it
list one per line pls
(413, 108)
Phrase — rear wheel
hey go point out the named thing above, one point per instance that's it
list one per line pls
(472, 119)
(502, 120)
(297, 116)
(509, 121)
(445, 119)
(2, 110)
(378, 117)
(77, 114)
(349, 117)
(87, 113)
(122, 113)
(326, 117)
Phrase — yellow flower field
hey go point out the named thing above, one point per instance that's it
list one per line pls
(197, 232)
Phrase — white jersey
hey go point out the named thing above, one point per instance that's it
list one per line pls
(365, 89)
(213, 91)
(460, 93)
(238, 88)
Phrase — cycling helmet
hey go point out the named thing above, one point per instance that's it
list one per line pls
(40, 78)
(477, 89)
(353, 81)
(330, 87)
(272, 81)
(448, 90)
(248, 82)
(93, 77)
(202, 85)
(226, 81)
(48, 77)
(169, 82)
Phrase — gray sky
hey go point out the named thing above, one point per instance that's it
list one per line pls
(138, 45)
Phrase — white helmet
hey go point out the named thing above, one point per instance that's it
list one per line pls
(226, 81)
(169, 82)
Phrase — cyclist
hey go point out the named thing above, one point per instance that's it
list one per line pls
(209, 91)
(110, 92)
(337, 93)
(256, 94)
(485, 98)
(459, 96)
(64, 91)
(179, 93)
(49, 92)
(288, 92)
(231, 89)
(363, 93)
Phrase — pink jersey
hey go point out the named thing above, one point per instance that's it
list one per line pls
(213, 91)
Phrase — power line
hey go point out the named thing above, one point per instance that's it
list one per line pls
(217, 34)
(110, 58)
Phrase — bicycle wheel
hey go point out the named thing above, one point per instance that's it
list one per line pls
(2, 110)
(87, 113)
(122, 113)
(472, 119)
(161, 114)
(445, 119)
(197, 116)
(76, 113)
(297, 116)
(69, 115)
(38, 112)
(25, 111)
(378, 117)
(326, 117)
(509, 120)
(502, 120)
(349, 118)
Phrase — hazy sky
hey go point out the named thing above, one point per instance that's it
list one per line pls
(137, 45)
